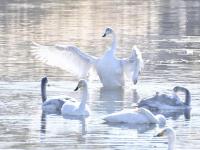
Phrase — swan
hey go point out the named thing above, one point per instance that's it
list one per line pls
(109, 68)
(171, 134)
(51, 105)
(77, 108)
(164, 102)
(135, 116)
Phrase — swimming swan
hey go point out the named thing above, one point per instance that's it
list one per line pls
(170, 133)
(164, 101)
(51, 105)
(135, 116)
(77, 108)
(110, 69)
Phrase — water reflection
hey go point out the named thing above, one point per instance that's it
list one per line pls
(111, 97)
(163, 30)
(82, 120)
(43, 125)
(141, 128)
(175, 114)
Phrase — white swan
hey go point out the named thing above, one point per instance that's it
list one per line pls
(135, 116)
(109, 68)
(77, 108)
(163, 101)
(51, 105)
(170, 133)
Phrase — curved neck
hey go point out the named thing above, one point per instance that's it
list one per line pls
(114, 42)
(84, 98)
(171, 141)
(43, 92)
(187, 97)
(148, 114)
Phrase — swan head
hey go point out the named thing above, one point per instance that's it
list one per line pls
(82, 83)
(107, 32)
(179, 88)
(161, 120)
(44, 81)
(166, 132)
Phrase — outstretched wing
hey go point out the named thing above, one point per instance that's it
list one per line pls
(69, 58)
(133, 65)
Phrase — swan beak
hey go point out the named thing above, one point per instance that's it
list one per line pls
(104, 35)
(159, 134)
(76, 88)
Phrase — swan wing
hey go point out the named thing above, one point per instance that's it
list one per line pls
(148, 114)
(121, 116)
(133, 65)
(69, 58)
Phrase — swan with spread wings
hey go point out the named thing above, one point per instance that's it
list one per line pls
(110, 69)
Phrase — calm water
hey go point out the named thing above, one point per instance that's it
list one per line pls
(166, 31)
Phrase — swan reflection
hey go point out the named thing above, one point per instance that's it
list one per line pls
(112, 99)
(141, 128)
(59, 125)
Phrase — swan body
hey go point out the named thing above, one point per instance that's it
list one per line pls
(170, 133)
(77, 108)
(135, 116)
(164, 102)
(51, 105)
(110, 75)
(110, 69)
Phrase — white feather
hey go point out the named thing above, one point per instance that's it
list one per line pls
(69, 58)
(133, 65)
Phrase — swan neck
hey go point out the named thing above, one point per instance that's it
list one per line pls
(114, 42)
(171, 141)
(43, 92)
(84, 98)
(187, 97)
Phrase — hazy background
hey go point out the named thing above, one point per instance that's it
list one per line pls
(166, 31)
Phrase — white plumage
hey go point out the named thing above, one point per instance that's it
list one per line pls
(77, 108)
(171, 135)
(135, 116)
(109, 68)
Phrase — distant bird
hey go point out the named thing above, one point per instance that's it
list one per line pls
(135, 116)
(164, 102)
(109, 68)
(171, 134)
(51, 105)
(78, 108)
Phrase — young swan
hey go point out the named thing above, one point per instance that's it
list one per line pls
(135, 116)
(50, 106)
(170, 133)
(78, 108)
(164, 102)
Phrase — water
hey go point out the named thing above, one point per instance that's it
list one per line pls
(168, 34)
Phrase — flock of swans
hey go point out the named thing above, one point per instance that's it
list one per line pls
(111, 71)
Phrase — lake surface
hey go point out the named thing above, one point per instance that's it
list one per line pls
(166, 31)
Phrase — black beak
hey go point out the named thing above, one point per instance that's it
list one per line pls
(76, 88)
(158, 135)
(104, 35)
